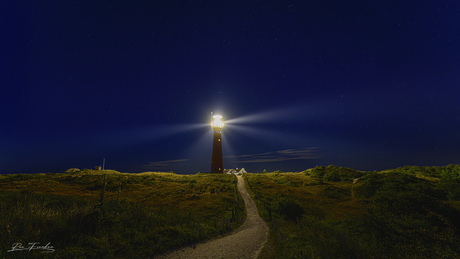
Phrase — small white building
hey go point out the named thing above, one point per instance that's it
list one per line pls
(237, 171)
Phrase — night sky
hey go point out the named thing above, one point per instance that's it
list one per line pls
(364, 84)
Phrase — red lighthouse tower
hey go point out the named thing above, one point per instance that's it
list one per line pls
(217, 163)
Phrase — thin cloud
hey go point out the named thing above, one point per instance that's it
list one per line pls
(162, 164)
(277, 156)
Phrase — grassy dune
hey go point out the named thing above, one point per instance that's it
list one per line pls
(399, 213)
(323, 212)
(107, 214)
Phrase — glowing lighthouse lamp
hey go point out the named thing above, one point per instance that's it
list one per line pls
(217, 164)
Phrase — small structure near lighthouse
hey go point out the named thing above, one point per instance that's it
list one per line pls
(217, 163)
(236, 172)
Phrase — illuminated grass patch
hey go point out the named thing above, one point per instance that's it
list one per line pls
(320, 213)
(115, 215)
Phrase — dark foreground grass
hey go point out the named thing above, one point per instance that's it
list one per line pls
(89, 215)
(392, 214)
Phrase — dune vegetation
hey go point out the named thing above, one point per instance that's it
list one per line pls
(336, 212)
(107, 214)
(323, 212)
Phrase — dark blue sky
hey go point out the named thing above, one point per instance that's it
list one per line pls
(363, 84)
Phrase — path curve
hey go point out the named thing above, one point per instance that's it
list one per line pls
(247, 241)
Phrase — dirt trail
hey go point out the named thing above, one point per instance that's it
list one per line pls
(246, 242)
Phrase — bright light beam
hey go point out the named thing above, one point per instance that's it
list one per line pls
(154, 133)
(299, 112)
(199, 152)
(269, 116)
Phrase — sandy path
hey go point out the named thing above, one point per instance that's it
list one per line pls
(246, 242)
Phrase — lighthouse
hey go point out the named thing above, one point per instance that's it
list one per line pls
(217, 163)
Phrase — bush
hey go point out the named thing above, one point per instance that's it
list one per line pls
(403, 222)
(451, 187)
(334, 173)
(318, 172)
(314, 238)
(393, 182)
(289, 209)
(332, 177)
(451, 171)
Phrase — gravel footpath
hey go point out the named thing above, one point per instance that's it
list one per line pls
(246, 242)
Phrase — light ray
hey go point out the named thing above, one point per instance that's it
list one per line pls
(268, 116)
(199, 153)
(151, 133)
(308, 111)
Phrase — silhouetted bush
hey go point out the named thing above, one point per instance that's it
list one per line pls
(450, 171)
(334, 173)
(318, 172)
(289, 209)
(451, 187)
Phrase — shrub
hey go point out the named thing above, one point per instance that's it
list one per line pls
(289, 209)
(318, 172)
(393, 182)
(331, 176)
(334, 173)
(451, 187)
(402, 222)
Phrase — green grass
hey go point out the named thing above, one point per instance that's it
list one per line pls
(408, 212)
(320, 213)
(84, 215)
